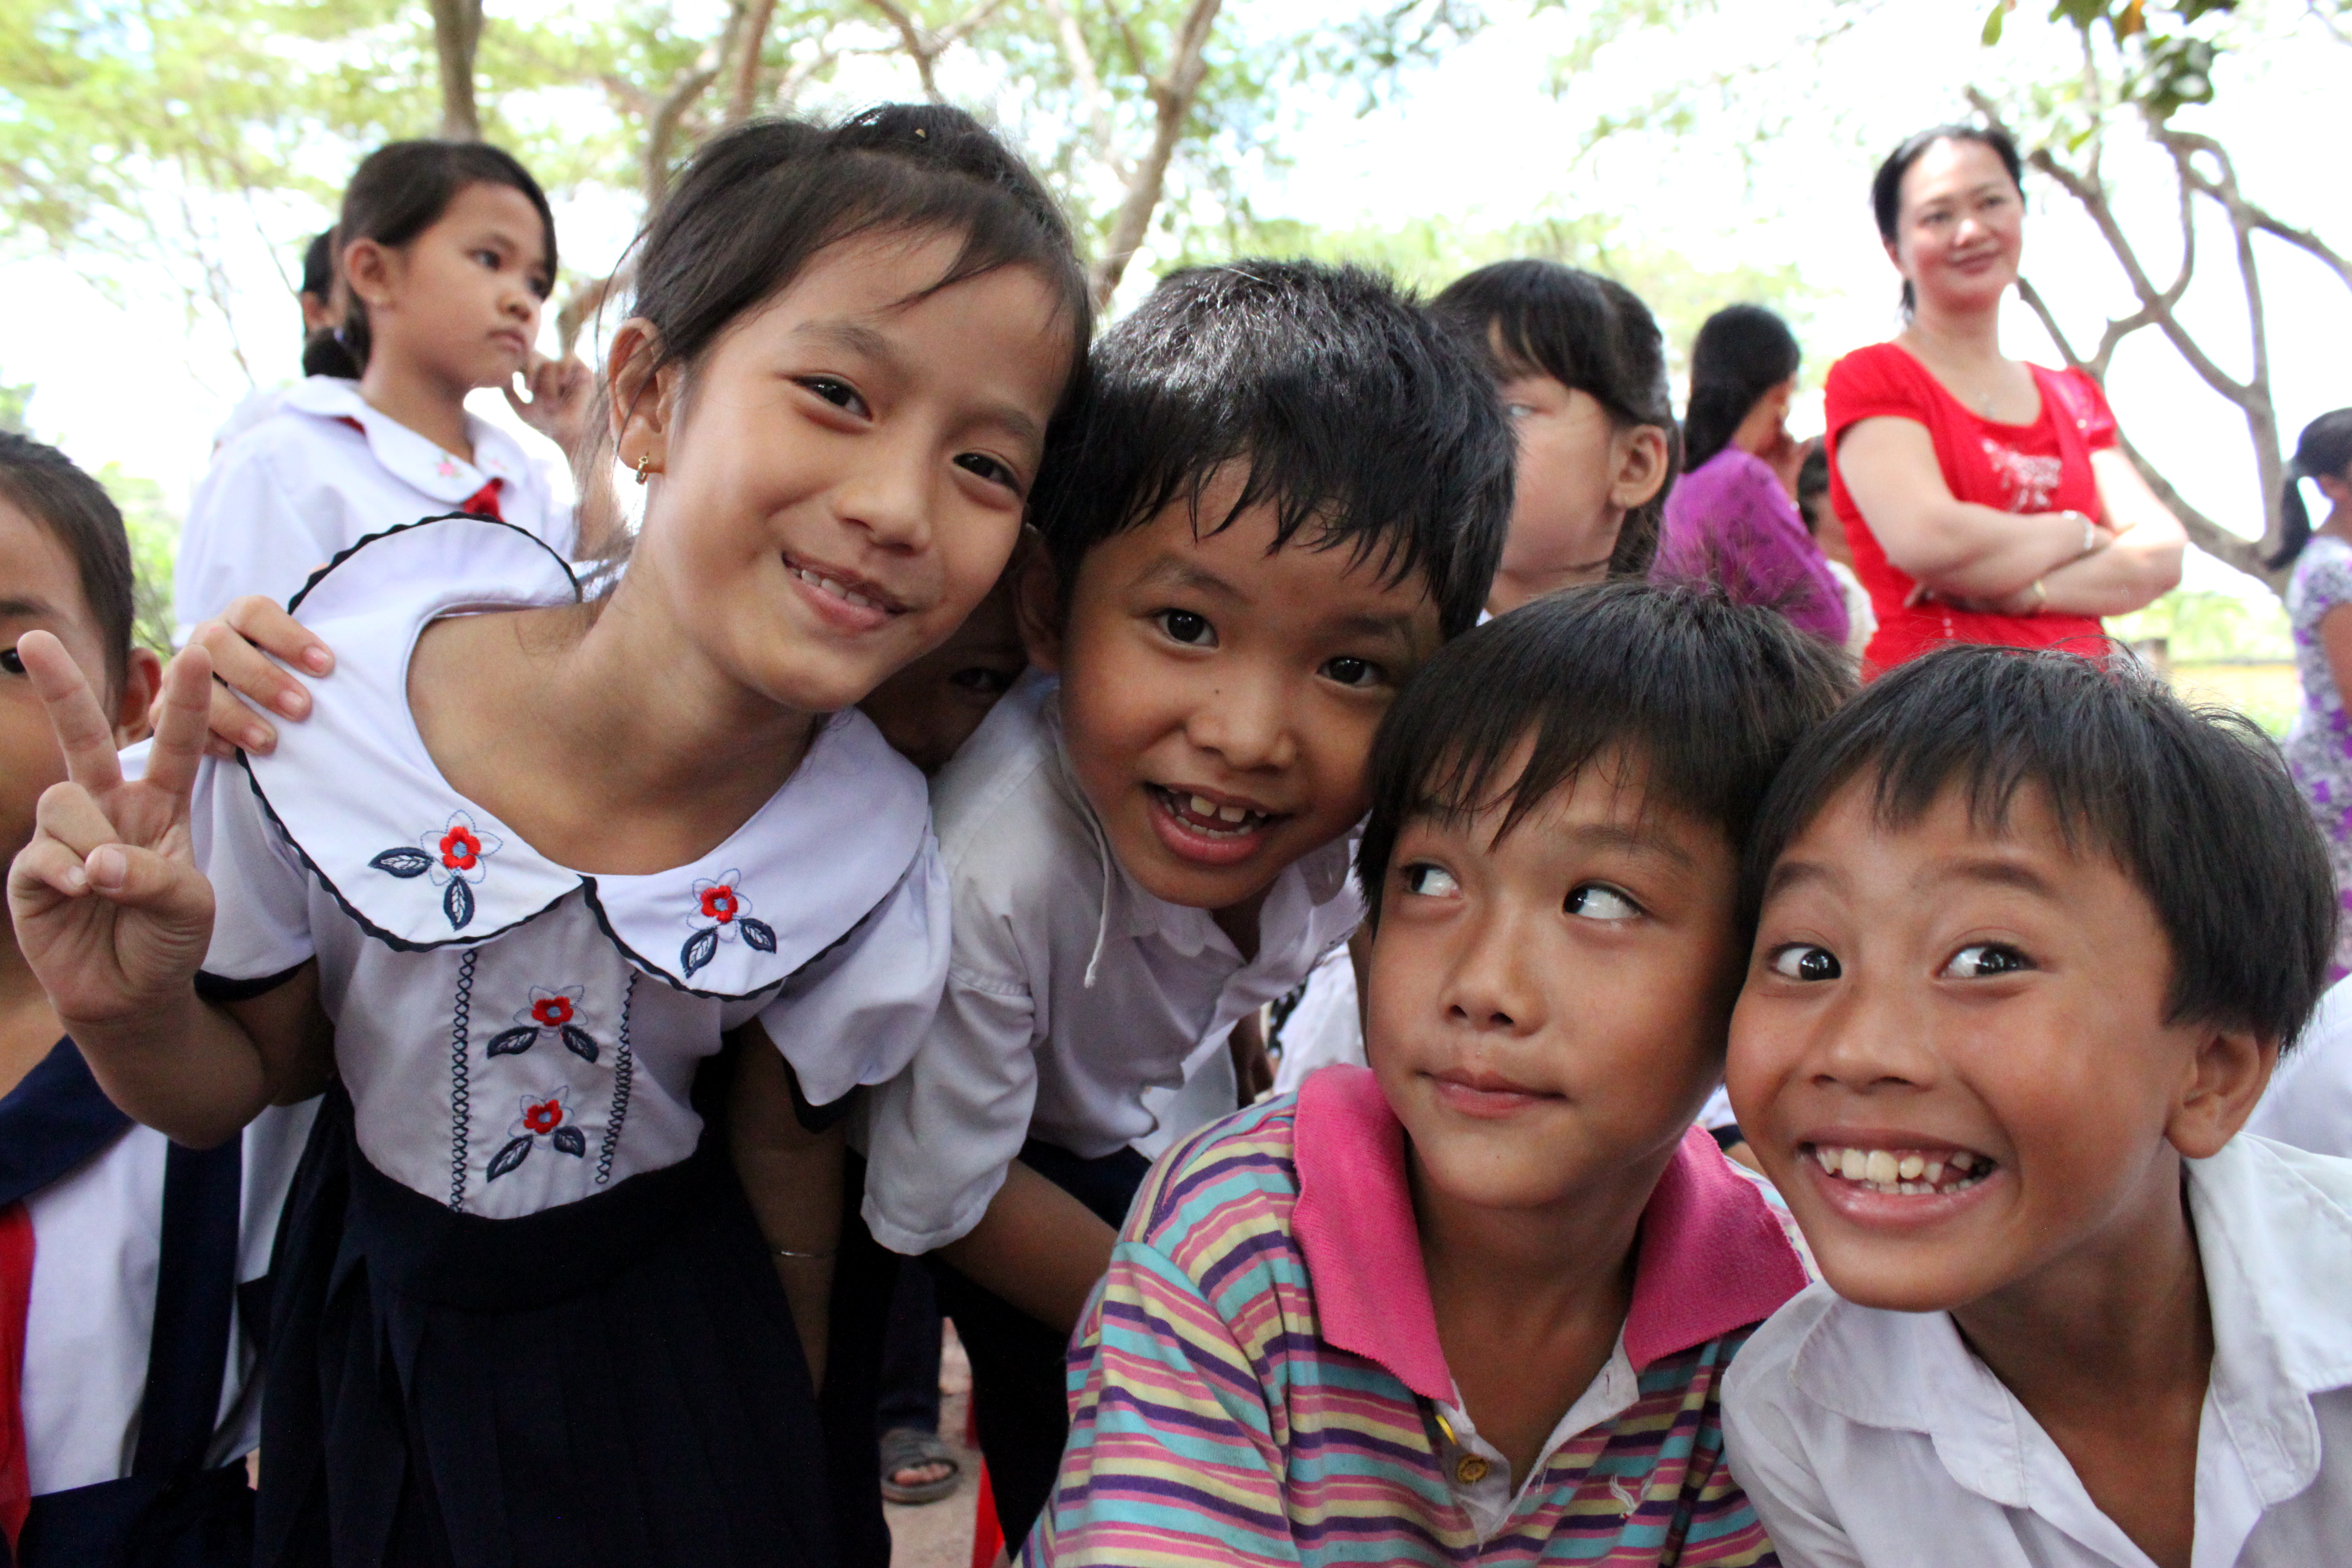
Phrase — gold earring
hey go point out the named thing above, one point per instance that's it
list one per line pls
(644, 467)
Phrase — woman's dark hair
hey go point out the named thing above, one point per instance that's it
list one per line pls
(758, 203)
(1741, 353)
(1701, 696)
(2194, 805)
(44, 484)
(398, 193)
(1886, 185)
(318, 265)
(1587, 333)
(2324, 450)
(1361, 421)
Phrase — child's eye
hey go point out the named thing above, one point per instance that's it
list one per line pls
(491, 259)
(1600, 901)
(1802, 961)
(1192, 630)
(1983, 960)
(1517, 410)
(838, 393)
(988, 469)
(1351, 671)
(11, 661)
(1429, 881)
(982, 681)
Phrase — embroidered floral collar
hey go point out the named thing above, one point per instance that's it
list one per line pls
(419, 866)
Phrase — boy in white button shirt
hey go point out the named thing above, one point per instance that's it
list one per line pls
(1286, 490)
(2031, 936)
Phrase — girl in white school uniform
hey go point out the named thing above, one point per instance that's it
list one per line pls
(532, 863)
(446, 251)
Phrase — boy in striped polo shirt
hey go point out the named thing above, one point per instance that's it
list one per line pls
(1474, 1303)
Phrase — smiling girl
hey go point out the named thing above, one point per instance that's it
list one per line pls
(446, 251)
(534, 861)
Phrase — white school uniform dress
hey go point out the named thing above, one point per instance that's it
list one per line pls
(1071, 990)
(324, 471)
(1871, 1437)
(519, 1042)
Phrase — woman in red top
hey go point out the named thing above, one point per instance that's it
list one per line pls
(1985, 497)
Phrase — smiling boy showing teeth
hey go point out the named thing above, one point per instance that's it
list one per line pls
(1286, 487)
(2031, 934)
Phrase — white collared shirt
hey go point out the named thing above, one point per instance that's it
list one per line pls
(2309, 1101)
(287, 495)
(515, 1033)
(1070, 989)
(1864, 1435)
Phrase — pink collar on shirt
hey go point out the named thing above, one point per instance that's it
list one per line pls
(1712, 1257)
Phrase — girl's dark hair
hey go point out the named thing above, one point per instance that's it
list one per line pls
(44, 484)
(2324, 450)
(1886, 185)
(1813, 482)
(758, 203)
(1361, 422)
(398, 193)
(1742, 352)
(2193, 804)
(1703, 698)
(1590, 335)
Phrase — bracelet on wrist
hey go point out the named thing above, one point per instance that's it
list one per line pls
(788, 1252)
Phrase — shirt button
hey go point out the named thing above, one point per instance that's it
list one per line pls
(1470, 1469)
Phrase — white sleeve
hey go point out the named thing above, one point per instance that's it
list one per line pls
(261, 906)
(942, 1135)
(245, 534)
(1766, 1457)
(857, 1013)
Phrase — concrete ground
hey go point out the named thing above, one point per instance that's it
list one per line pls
(939, 1535)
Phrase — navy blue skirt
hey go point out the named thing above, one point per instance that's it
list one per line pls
(614, 1380)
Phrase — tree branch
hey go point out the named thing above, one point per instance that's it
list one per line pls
(1172, 95)
(1082, 70)
(456, 35)
(745, 93)
(916, 44)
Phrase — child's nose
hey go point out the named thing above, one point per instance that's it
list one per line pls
(1491, 987)
(1873, 1037)
(1245, 720)
(889, 498)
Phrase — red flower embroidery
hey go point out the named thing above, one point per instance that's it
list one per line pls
(551, 1012)
(719, 903)
(459, 848)
(544, 1117)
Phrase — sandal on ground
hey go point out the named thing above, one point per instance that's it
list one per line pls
(906, 1449)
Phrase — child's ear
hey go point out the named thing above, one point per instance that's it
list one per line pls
(1641, 454)
(643, 405)
(143, 678)
(1037, 604)
(367, 272)
(2231, 1069)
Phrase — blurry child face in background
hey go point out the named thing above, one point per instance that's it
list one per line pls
(40, 590)
(461, 301)
(1952, 1055)
(1219, 695)
(928, 709)
(1546, 1012)
(1579, 471)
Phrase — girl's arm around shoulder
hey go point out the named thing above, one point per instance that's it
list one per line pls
(791, 1168)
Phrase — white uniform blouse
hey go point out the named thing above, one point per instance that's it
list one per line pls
(514, 1034)
(323, 472)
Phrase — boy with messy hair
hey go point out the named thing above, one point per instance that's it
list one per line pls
(2032, 936)
(1475, 1302)
(1286, 488)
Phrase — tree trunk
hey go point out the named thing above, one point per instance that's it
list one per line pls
(744, 95)
(1172, 95)
(457, 32)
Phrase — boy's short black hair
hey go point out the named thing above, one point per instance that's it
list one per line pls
(1359, 419)
(2194, 803)
(1703, 696)
(45, 485)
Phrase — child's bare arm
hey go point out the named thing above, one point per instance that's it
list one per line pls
(793, 1177)
(114, 919)
(1037, 1247)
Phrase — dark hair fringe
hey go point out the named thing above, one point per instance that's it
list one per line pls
(1699, 699)
(2193, 804)
(48, 487)
(398, 192)
(1742, 352)
(1590, 334)
(2324, 450)
(1361, 421)
(1887, 185)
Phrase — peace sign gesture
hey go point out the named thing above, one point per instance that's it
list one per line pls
(111, 911)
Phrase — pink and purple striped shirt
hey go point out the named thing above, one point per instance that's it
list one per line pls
(1259, 1380)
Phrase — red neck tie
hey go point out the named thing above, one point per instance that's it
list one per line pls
(16, 1299)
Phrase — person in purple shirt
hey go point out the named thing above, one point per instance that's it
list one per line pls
(1731, 519)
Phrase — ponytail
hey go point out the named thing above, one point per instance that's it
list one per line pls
(1742, 352)
(2324, 451)
(323, 355)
